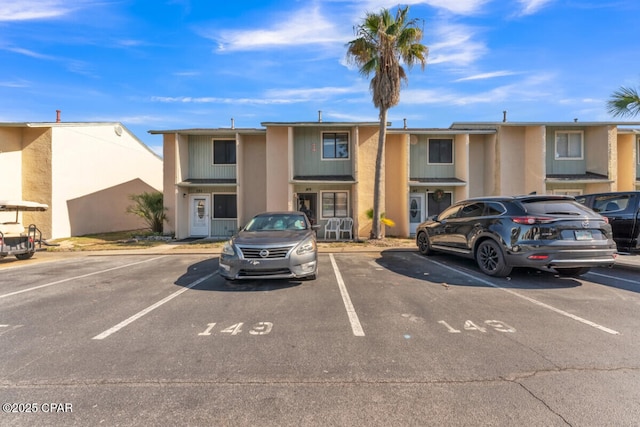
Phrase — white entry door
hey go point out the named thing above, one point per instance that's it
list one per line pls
(199, 217)
(416, 211)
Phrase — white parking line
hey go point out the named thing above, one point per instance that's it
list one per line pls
(356, 327)
(617, 279)
(147, 310)
(536, 302)
(79, 277)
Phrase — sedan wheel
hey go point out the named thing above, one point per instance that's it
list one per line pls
(491, 260)
(423, 244)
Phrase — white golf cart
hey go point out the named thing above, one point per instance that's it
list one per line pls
(15, 239)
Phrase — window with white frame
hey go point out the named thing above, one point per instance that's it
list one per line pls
(224, 152)
(569, 145)
(335, 145)
(335, 204)
(440, 151)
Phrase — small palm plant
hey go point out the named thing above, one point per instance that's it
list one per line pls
(150, 207)
(383, 220)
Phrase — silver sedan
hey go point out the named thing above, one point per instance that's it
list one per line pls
(273, 245)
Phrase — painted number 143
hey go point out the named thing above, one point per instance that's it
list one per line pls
(260, 328)
(470, 326)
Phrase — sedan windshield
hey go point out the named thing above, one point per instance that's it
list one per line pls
(277, 222)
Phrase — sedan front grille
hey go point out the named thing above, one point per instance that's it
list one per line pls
(265, 272)
(265, 253)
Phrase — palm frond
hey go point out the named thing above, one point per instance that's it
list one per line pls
(624, 102)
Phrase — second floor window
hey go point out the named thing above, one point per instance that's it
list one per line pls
(441, 151)
(224, 152)
(335, 145)
(568, 145)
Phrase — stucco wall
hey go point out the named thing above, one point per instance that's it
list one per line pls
(627, 161)
(367, 148)
(37, 178)
(91, 160)
(277, 169)
(462, 161)
(253, 191)
(169, 180)
(477, 166)
(397, 185)
(11, 163)
(534, 160)
(512, 160)
(598, 150)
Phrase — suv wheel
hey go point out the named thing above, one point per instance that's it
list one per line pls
(491, 260)
(423, 244)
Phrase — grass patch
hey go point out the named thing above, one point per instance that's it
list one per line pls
(141, 239)
(136, 239)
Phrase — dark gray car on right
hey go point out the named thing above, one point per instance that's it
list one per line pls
(500, 233)
(622, 209)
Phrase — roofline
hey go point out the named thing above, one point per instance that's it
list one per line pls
(441, 131)
(209, 131)
(458, 125)
(76, 124)
(57, 124)
(322, 124)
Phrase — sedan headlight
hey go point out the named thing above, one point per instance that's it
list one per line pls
(227, 249)
(306, 246)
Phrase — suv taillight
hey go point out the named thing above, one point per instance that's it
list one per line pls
(530, 220)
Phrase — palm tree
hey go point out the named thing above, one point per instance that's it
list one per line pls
(624, 102)
(382, 44)
(149, 207)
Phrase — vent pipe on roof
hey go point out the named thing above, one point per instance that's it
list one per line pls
(504, 116)
(233, 123)
(320, 116)
(405, 123)
(58, 116)
(575, 120)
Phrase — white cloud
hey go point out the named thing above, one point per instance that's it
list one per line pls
(311, 93)
(27, 52)
(15, 84)
(531, 88)
(455, 44)
(26, 10)
(214, 100)
(462, 7)
(485, 76)
(530, 7)
(306, 26)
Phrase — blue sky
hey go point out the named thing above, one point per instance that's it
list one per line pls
(173, 64)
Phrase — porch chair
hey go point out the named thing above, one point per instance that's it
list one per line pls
(332, 226)
(346, 226)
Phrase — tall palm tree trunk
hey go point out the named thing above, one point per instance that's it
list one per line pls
(376, 229)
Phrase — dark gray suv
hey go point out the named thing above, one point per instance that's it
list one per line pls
(544, 232)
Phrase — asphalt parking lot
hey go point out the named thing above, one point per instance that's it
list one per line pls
(382, 337)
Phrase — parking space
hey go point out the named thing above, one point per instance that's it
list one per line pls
(388, 323)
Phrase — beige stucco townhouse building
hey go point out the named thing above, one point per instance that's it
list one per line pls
(215, 180)
(85, 172)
